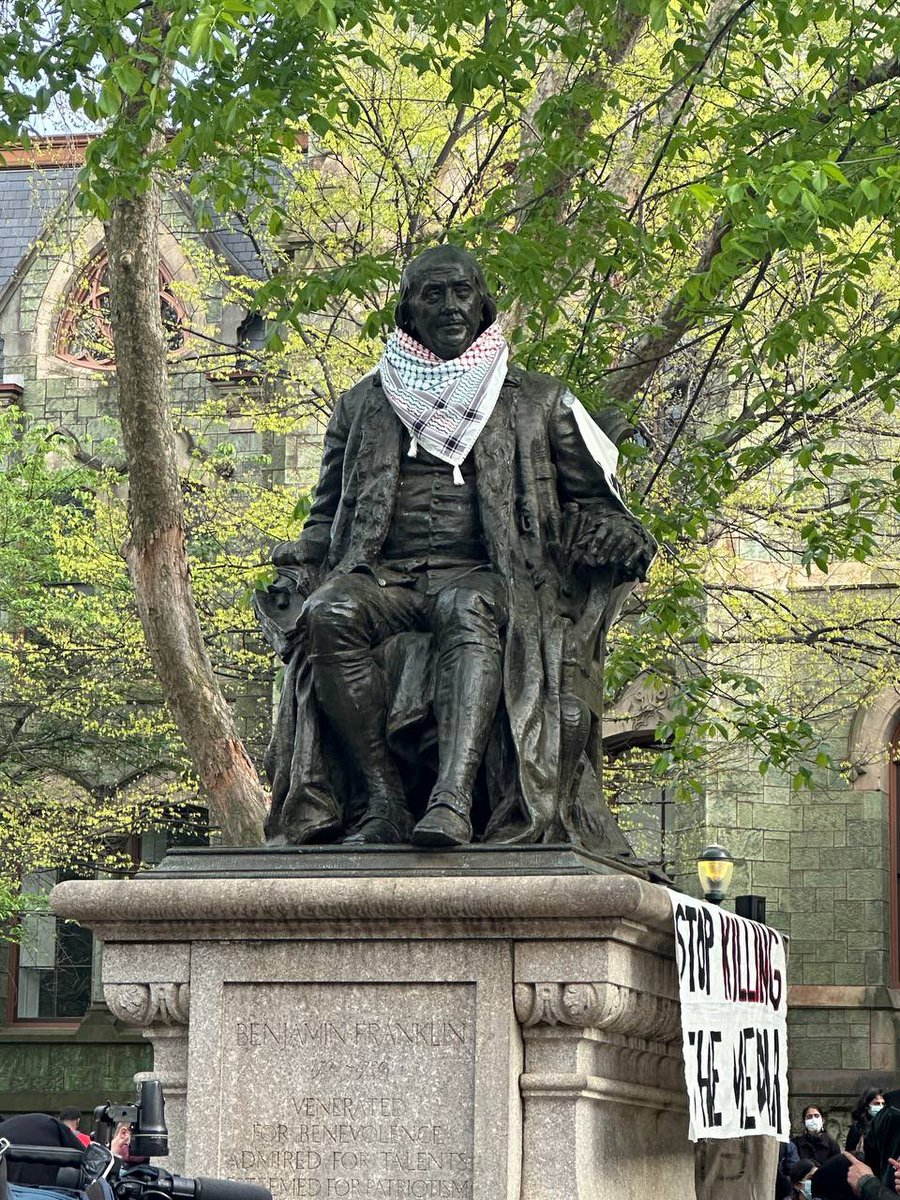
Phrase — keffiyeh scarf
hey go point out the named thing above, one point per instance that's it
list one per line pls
(444, 403)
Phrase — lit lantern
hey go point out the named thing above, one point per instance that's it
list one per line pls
(715, 867)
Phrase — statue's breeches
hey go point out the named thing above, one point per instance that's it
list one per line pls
(349, 616)
(354, 612)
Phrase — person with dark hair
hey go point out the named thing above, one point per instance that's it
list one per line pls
(869, 1105)
(475, 502)
(800, 1174)
(71, 1117)
(830, 1180)
(883, 1139)
(814, 1142)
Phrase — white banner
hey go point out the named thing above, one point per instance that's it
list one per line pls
(732, 981)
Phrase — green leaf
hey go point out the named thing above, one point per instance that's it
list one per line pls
(833, 171)
(128, 77)
(110, 99)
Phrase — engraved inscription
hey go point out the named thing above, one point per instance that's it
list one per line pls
(347, 1091)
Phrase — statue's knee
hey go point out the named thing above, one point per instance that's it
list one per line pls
(330, 615)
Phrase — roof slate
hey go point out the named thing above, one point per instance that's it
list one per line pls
(237, 242)
(29, 196)
(27, 199)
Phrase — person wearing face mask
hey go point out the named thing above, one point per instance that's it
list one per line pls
(869, 1105)
(800, 1174)
(883, 1140)
(814, 1142)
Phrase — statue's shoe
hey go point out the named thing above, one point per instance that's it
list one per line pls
(443, 823)
(387, 825)
(324, 832)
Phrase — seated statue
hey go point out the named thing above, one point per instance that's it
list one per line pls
(466, 551)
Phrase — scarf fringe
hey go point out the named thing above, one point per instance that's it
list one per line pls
(413, 452)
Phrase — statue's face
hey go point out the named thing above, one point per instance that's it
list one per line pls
(445, 310)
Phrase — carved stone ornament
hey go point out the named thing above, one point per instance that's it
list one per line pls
(608, 1006)
(145, 1004)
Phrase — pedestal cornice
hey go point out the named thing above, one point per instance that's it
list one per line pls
(615, 906)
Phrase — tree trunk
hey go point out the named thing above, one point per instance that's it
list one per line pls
(156, 552)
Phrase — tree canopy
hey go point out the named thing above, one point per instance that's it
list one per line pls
(89, 757)
(690, 212)
(687, 208)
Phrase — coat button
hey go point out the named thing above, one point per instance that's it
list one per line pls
(382, 582)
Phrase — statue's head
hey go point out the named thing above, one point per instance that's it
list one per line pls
(444, 302)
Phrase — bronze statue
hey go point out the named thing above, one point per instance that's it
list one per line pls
(443, 609)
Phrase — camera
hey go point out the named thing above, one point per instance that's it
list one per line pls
(96, 1173)
(149, 1135)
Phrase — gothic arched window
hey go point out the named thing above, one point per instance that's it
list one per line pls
(84, 336)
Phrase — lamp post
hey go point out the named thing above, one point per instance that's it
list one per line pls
(715, 867)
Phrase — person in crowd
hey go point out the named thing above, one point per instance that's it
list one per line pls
(814, 1142)
(36, 1129)
(120, 1144)
(830, 1181)
(883, 1139)
(71, 1117)
(800, 1173)
(865, 1184)
(120, 1141)
(869, 1105)
(787, 1156)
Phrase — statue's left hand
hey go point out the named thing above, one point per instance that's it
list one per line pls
(620, 541)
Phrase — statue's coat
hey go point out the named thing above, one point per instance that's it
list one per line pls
(533, 474)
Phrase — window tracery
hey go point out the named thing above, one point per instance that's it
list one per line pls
(84, 336)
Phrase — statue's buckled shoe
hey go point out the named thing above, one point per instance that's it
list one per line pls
(445, 823)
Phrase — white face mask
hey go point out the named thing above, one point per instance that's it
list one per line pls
(813, 1124)
(807, 1188)
(875, 1109)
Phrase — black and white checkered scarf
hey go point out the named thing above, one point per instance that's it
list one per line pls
(444, 403)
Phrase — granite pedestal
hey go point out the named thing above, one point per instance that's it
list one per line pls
(405, 1026)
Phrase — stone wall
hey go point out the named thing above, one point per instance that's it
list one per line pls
(45, 1067)
(821, 859)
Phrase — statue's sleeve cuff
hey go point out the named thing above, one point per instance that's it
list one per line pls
(312, 550)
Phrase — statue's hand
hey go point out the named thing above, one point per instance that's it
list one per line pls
(293, 559)
(288, 554)
(623, 543)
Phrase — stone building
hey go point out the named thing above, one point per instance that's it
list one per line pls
(827, 861)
